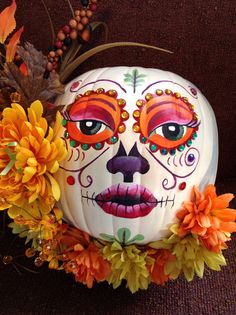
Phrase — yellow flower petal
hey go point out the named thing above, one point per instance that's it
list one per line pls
(28, 173)
(55, 187)
(37, 108)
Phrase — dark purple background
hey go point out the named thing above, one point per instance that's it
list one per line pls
(202, 35)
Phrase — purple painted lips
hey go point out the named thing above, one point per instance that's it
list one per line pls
(124, 201)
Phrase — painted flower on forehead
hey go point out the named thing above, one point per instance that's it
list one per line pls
(30, 152)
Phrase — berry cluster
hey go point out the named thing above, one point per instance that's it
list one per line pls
(77, 28)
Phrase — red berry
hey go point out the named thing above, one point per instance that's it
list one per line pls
(66, 29)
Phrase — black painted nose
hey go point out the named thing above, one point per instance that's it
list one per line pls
(128, 164)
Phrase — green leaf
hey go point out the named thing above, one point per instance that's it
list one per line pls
(124, 235)
(128, 80)
(107, 237)
(136, 238)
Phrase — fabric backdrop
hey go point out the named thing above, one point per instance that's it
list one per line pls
(201, 35)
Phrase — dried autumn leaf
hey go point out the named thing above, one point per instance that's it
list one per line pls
(34, 85)
(7, 21)
(12, 46)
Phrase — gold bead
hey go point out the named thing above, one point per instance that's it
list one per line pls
(100, 91)
(168, 92)
(7, 260)
(15, 97)
(121, 128)
(139, 103)
(112, 93)
(177, 95)
(185, 99)
(159, 92)
(87, 93)
(124, 115)
(136, 114)
(30, 252)
(136, 128)
(121, 102)
(148, 96)
(38, 262)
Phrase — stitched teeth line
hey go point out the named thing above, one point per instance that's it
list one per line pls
(161, 201)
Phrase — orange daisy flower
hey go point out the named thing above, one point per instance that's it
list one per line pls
(207, 216)
(157, 270)
(83, 258)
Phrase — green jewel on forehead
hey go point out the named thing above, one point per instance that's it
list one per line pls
(195, 135)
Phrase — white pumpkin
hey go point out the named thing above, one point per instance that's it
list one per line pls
(138, 140)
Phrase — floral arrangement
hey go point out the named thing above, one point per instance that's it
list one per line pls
(30, 152)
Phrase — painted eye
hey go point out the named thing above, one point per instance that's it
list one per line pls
(170, 131)
(91, 127)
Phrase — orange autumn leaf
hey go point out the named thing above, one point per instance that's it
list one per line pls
(7, 21)
(11, 47)
(23, 69)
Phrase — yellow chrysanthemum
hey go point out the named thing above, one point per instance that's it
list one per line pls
(37, 227)
(191, 255)
(128, 263)
(30, 152)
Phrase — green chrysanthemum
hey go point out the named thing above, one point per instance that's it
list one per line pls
(128, 263)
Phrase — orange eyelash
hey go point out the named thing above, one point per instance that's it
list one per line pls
(162, 109)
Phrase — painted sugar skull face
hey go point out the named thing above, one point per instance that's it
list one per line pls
(138, 140)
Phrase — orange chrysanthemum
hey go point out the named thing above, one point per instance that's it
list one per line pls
(83, 258)
(208, 217)
(157, 270)
(30, 153)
